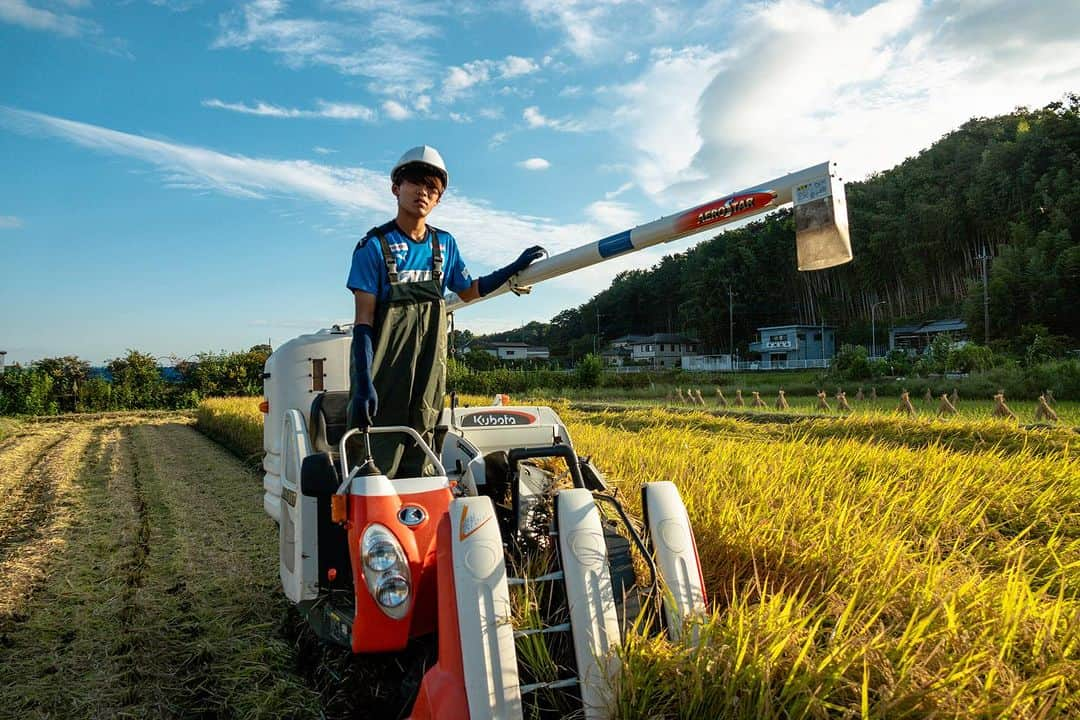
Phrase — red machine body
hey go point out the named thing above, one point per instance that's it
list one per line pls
(411, 511)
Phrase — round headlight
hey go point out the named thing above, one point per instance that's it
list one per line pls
(393, 590)
(380, 555)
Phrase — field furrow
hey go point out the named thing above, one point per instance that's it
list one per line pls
(37, 512)
(209, 606)
(160, 602)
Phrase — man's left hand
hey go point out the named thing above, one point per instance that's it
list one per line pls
(527, 258)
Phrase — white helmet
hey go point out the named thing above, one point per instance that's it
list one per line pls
(423, 155)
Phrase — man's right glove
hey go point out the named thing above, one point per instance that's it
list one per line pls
(494, 281)
(364, 401)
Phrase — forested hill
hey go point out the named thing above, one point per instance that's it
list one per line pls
(1009, 184)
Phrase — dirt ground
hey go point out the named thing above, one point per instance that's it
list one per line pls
(138, 578)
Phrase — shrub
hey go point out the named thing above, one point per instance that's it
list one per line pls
(26, 391)
(137, 381)
(851, 363)
(969, 358)
(95, 395)
(589, 371)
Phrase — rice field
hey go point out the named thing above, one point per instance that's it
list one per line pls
(866, 565)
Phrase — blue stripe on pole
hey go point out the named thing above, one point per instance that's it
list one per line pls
(615, 244)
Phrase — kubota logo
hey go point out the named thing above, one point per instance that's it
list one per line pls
(411, 515)
(469, 525)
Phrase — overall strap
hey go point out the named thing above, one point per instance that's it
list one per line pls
(388, 257)
(436, 256)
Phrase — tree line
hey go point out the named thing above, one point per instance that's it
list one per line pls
(134, 381)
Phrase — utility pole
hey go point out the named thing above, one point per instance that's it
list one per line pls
(731, 327)
(3, 353)
(873, 329)
(596, 340)
(983, 257)
(822, 338)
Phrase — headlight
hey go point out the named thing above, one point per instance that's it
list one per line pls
(393, 590)
(386, 570)
(380, 556)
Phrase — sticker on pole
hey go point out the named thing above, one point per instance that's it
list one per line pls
(723, 210)
(813, 190)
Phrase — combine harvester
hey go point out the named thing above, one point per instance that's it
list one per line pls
(511, 511)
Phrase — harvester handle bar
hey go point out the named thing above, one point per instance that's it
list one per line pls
(564, 451)
(384, 430)
(636, 537)
(725, 210)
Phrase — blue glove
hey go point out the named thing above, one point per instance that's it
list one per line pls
(364, 401)
(495, 280)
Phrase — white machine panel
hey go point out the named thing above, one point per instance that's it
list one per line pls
(591, 601)
(676, 554)
(483, 600)
(298, 523)
(292, 385)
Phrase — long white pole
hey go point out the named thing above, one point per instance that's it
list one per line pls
(808, 186)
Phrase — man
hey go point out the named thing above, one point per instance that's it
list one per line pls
(399, 274)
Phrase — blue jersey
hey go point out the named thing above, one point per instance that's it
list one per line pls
(413, 258)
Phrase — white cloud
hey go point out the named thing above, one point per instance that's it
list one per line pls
(534, 163)
(333, 111)
(536, 119)
(514, 66)
(460, 117)
(373, 40)
(363, 194)
(461, 78)
(23, 14)
(660, 113)
(10, 222)
(800, 83)
(613, 215)
(631, 57)
(596, 29)
(395, 110)
(490, 113)
(323, 150)
(204, 169)
(618, 191)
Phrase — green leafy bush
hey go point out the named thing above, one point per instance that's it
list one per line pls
(969, 358)
(26, 391)
(589, 371)
(852, 363)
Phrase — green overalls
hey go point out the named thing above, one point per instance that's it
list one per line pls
(409, 364)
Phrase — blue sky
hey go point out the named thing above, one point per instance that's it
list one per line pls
(180, 176)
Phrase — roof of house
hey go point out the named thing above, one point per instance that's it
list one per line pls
(933, 326)
(663, 338)
(797, 326)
